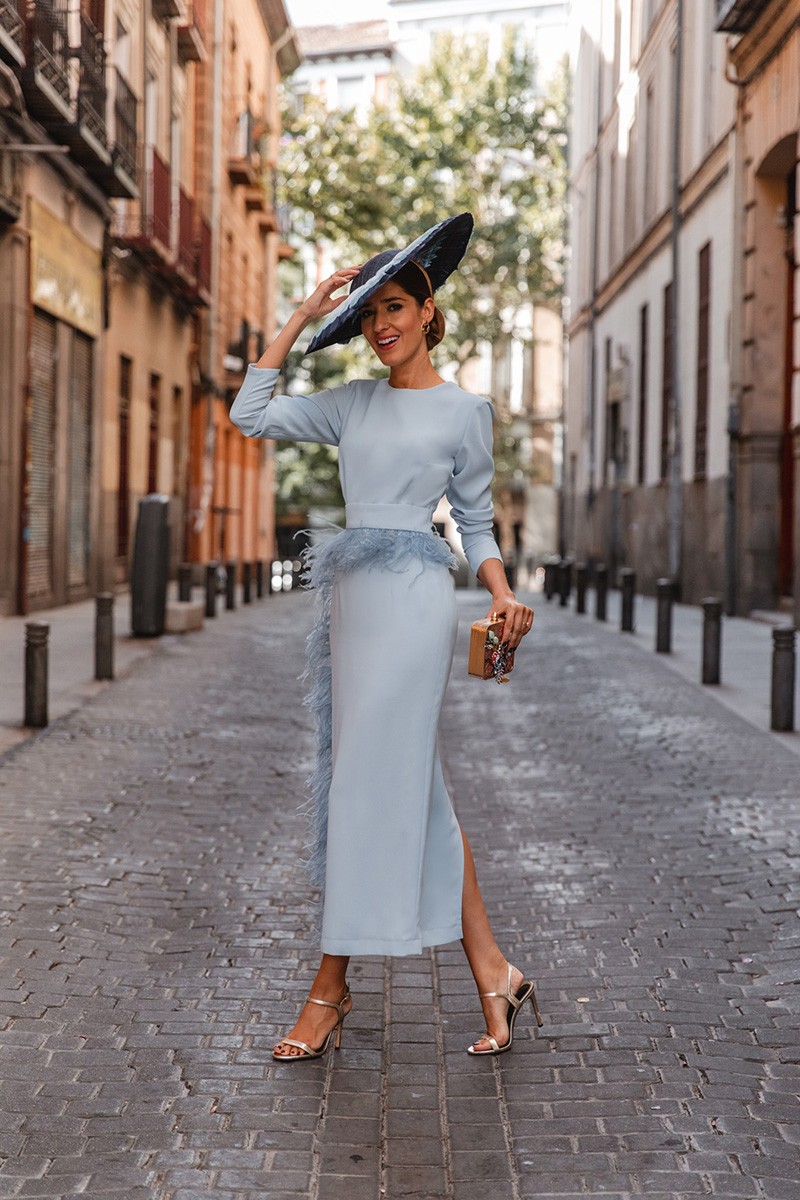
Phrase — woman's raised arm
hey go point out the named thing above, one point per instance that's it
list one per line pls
(319, 304)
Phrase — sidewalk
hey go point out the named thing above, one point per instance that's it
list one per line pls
(71, 655)
(746, 654)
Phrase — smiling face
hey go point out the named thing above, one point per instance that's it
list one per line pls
(392, 321)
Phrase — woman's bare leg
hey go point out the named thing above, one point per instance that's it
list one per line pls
(486, 960)
(315, 1023)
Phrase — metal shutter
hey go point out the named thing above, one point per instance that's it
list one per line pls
(41, 453)
(80, 461)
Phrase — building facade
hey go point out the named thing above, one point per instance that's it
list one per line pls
(763, 46)
(678, 443)
(131, 163)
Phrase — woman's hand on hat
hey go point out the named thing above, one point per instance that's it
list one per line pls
(321, 302)
(517, 618)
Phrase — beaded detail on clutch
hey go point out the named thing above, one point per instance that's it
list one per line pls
(489, 658)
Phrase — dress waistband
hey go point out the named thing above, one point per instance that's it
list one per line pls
(389, 516)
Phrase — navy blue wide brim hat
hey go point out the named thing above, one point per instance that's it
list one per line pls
(439, 251)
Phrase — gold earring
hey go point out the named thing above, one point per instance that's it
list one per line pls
(426, 326)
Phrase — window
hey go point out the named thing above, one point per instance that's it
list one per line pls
(666, 381)
(650, 155)
(612, 210)
(177, 440)
(703, 355)
(641, 465)
(154, 396)
(123, 466)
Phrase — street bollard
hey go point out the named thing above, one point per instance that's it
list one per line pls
(627, 583)
(600, 590)
(564, 581)
(36, 635)
(211, 589)
(712, 640)
(665, 596)
(185, 581)
(783, 680)
(259, 578)
(104, 636)
(230, 585)
(247, 582)
(550, 570)
(581, 577)
(297, 568)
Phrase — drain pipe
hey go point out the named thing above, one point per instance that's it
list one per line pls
(675, 499)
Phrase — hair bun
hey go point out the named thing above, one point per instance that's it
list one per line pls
(436, 329)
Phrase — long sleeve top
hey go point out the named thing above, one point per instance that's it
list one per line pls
(400, 449)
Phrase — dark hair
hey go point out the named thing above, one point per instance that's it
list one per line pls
(413, 280)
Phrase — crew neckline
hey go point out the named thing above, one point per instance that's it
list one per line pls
(392, 388)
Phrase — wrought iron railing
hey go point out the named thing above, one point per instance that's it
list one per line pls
(125, 126)
(49, 43)
(187, 257)
(12, 22)
(91, 57)
(158, 203)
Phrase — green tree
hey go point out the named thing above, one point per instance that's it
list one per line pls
(466, 132)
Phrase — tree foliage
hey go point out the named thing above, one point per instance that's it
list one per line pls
(466, 132)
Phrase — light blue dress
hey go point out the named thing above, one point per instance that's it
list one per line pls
(386, 849)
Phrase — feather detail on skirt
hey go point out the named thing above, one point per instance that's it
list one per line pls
(350, 549)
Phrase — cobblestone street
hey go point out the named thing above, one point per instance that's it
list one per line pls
(639, 851)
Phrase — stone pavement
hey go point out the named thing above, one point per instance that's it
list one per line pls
(638, 847)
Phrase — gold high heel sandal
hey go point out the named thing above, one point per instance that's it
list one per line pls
(309, 1051)
(515, 1002)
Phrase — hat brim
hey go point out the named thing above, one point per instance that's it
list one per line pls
(439, 250)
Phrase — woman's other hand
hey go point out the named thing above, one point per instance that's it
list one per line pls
(517, 618)
(322, 302)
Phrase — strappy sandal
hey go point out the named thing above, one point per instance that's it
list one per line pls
(309, 1051)
(515, 1002)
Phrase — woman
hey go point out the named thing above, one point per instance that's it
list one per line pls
(395, 870)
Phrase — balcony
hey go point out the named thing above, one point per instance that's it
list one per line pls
(12, 32)
(45, 76)
(738, 16)
(86, 134)
(146, 227)
(118, 177)
(11, 184)
(244, 161)
(192, 36)
(187, 250)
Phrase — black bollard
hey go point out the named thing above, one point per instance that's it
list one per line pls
(712, 640)
(665, 596)
(247, 582)
(581, 578)
(783, 680)
(104, 636)
(230, 586)
(259, 578)
(550, 580)
(627, 583)
(564, 581)
(36, 670)
(600, 590)
(185, 581)
(211, 589)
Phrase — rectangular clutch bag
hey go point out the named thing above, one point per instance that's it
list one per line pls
(488, 657)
